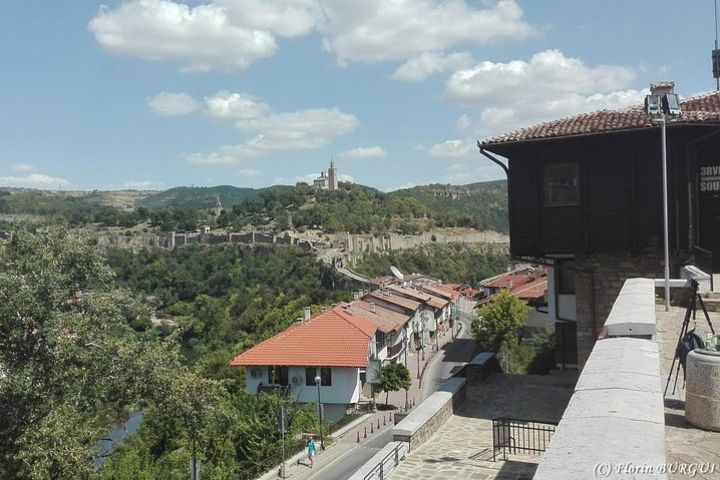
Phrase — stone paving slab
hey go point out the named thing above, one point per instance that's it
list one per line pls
(684, 443)
(459, 449)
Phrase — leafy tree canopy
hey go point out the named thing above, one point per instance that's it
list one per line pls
(498, 322)
(69, 359)
(395, 376)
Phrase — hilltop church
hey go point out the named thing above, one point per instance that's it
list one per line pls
(327, 181)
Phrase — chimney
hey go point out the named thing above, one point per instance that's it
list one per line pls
(307, 315)
(372, 307)
(661, 88)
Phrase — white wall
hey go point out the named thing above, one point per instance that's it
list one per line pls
(345, 387)
(565, 307)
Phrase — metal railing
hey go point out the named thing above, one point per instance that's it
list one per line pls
(512, 436)
(704, 261)
(393, 457)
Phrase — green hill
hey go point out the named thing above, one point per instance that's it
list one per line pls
(359, 209)
(476, 205)
(196, 198)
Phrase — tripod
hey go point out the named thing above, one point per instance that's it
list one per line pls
(695, 299)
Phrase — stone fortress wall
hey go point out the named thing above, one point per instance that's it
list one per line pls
(345, 246)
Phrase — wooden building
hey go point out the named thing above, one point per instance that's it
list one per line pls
(585, 197)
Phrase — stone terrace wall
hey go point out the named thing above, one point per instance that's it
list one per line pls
(431, 414)
(616, 415)
(597, 284)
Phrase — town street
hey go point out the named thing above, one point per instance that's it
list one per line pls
(443, 365)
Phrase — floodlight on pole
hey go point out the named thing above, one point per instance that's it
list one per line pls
(669, 105)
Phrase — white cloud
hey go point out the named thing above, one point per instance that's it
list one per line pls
(452, 148)
(136, 185)
(22, 168)
(232, 34)
(170, 104)
(404, 186)
(225, 155)
(463, 122)
(551, 85)
(234, 106)
(364, 152)
(249, 172)
(378, 30)
(420, 67)
(143, 185)
(286, 18)
(34, 180)
(304, 129)
(202, 38)
(301, 130)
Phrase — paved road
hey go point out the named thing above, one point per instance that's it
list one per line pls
(450, 360)
(346, 464)
(442, 366)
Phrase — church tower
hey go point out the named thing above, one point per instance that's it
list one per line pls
(332, 176)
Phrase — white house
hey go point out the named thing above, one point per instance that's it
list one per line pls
(334, 345)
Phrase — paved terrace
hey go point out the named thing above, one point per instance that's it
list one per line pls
(684, 443)
(458, 448)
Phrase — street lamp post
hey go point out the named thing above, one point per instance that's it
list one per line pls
(663, 124)
(322, 442)
(661, 105)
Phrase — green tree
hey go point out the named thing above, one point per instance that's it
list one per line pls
(498, 322)
(70, 360)
(395, 376)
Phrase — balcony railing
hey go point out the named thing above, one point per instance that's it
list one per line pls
(513, 436)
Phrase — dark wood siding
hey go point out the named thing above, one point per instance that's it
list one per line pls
(621, 193)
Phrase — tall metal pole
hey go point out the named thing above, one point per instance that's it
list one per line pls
(717, 79)
(322, 442)
(665, 213)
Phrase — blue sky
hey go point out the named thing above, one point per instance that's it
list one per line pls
(161, 93)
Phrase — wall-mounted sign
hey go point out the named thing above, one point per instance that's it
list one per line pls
(710, 179)
(373, 372)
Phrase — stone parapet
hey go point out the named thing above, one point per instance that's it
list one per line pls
(389, 457)
(431, 414)
(633, 313)
(615, 417)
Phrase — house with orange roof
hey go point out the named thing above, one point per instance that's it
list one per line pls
(334, 345)
(394, 329)
(423, 325)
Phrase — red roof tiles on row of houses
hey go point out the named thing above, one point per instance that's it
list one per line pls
(406, 303)
(702, 108)
(424, 297)
(532, 290)
(384, 319)
(334, 338)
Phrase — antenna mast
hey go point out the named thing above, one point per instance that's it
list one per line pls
(716, 53)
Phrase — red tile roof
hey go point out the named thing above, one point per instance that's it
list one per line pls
(333, 338)
(534, 289)
(424, 297)
(510, 281)
(441, 290)
(405, 303)
(702, 108)
(385, 319)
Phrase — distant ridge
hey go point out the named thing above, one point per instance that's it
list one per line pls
(202, 197)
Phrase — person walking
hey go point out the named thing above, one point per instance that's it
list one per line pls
(312, 449)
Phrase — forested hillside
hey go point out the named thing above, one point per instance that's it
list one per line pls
(449, 262)
(353, 208)
(196, 198)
